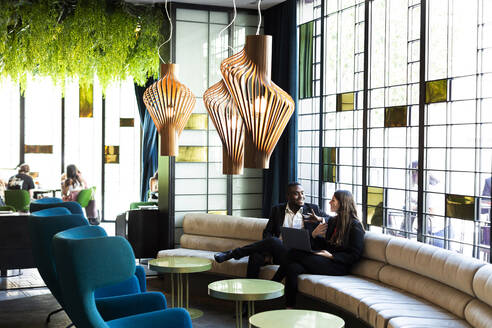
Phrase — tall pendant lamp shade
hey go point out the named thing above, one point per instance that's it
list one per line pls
(264, 107)
(170, 104)
(229, 125)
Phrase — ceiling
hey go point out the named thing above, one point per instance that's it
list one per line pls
(246, 4)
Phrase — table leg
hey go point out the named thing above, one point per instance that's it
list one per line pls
(239, 314)
(251, 311)
(172, 289)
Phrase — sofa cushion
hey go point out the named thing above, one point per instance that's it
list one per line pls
(442, 265)
(482, 284)
(214, 244)
(226, 226)
(412, 322)
(375, 246)
(435, 292)
(367, 268)
(478, 314)
(233, 268)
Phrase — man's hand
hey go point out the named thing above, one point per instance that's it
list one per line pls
(320, 230)
(324, 253)
(312, 217)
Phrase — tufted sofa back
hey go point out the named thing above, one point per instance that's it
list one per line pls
(218, 233)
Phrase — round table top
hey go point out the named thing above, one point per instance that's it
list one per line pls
(180, 264)
(296, 319)
(245, 289)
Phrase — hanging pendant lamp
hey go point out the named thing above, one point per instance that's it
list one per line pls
(264, 107)
(229, 125)
(170, 104)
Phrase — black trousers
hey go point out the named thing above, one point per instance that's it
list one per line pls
(257, 252)
(297, 262)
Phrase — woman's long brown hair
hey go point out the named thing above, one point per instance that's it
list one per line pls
(346, 212)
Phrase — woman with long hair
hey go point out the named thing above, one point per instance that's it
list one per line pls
(72, 183)
(339, 243)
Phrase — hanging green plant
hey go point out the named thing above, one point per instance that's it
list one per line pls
(80, 39)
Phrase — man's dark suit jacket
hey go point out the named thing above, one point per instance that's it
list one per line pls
(277, 217)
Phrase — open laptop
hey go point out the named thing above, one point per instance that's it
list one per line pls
(296, 238)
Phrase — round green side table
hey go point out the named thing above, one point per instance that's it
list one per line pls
(248, 290)
(181, 265)
(296, 318)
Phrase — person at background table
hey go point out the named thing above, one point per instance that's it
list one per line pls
(72, 184)
(22, 180)
(154, 186)
(294, 214)
(3, 186)
(340, 242)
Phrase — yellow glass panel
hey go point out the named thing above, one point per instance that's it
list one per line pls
(192, 154)
(436, 91)
(197, 122)
(460, 207)
(395, 116)
(111, 154)
(38, 149)
(86, 101)
(375, 198)
(345, 101)
(218, 212)
(127, 122)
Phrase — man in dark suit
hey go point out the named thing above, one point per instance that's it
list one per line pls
(295, 214)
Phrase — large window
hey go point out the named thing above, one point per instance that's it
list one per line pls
(437, 126)
(49, 129)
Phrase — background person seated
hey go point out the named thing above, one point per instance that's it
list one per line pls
(154, 187)
(72, 184)
(22, 180)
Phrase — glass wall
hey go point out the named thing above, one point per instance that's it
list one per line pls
(456, 123)
(200, 185)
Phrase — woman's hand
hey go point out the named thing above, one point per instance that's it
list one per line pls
(320, 230)
(312, 217)
(324, 253)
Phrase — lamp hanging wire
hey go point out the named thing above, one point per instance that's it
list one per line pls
(170, 35)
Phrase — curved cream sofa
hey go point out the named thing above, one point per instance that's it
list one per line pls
(398, 283)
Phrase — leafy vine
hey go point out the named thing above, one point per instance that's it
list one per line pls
(67, 39)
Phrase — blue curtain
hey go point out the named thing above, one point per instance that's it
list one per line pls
(280, 22)
(149, 150)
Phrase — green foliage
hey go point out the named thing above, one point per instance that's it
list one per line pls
(79, 39)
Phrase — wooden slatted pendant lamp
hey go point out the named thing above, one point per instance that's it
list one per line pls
(170, 104)
(264, 107)
(229, 125)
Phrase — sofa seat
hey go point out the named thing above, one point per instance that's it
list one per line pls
(412, 322)
(233, 268)
(372, 301)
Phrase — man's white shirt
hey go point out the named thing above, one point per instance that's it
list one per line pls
(293, 220)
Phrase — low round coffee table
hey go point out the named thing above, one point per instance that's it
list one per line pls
(296, 318)
(180, 265)
(249, 290)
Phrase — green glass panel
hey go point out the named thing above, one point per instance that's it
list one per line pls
(460, 207)
(127, 122)
(86, 103)
(192, 154)
(375, 201)
(329, 155)
(197, 122)
(38, 149)
(345, 101)
(395, 117)
(111, 154)
(306, 60)
(329, 173)
(436, 91)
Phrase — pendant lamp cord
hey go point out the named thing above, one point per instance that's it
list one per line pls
(170, 36)
(259, 20)
(232, 22)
